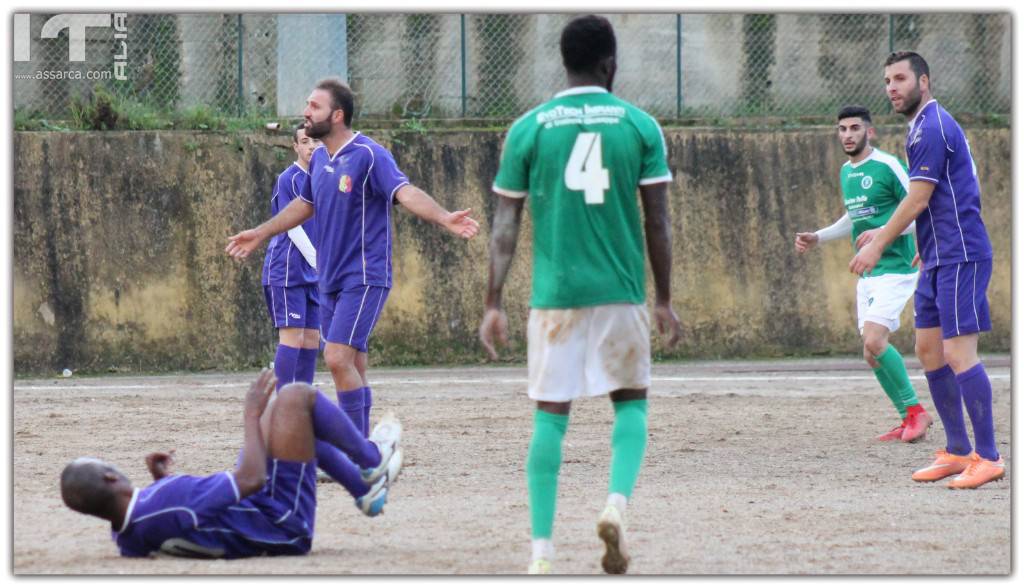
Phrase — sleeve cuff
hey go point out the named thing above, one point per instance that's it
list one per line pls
(391, 198)
(923, 179)
(508, 193)
(304, 199)
(657, 180)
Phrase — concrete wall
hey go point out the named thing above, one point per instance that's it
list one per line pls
(119, 237)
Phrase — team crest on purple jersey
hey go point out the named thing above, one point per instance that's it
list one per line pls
(345, 184)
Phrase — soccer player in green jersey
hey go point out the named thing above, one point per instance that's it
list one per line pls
(873, 184)
(580, 158)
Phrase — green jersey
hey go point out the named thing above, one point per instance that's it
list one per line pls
(580, 158)
(872, 189)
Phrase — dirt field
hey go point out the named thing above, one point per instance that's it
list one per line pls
(752, 468)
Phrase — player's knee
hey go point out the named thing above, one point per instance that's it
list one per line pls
(869, 356)
(928, 353)
(338, 359)
(296, 396)
(874, 346)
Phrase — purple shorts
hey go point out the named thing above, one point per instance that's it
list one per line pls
(953, 297)
(348, 316)
(293, 307)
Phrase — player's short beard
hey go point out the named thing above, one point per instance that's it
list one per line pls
(911, 102)
(318, 130)
(859, 147)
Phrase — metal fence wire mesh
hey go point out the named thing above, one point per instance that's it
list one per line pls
(499, 65)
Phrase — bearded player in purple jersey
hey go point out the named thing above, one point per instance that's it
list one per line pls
(950, 304)
(265, 506)
(353, 184)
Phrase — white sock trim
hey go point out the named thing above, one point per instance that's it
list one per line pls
(619, 501)
(543, 549)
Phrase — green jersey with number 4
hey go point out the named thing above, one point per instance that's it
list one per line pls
(580, 158)
(872, 189)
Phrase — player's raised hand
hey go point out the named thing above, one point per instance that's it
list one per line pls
(159, 464)
(805, 242)
(668, 323)
(493, 326)
(244, 243)
(459, 223)
(259, 393)
(866, 237)
(865, 260)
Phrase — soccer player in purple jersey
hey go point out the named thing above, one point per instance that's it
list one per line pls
(289, 276)
(266, 506)
(950, 304)
(353, 184)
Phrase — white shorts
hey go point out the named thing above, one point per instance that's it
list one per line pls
(588, 351)
(880, 299)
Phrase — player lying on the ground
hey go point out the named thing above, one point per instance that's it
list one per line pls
(873, 183)
(266, 506)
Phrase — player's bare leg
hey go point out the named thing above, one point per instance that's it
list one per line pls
(629, 442)
(542, 465)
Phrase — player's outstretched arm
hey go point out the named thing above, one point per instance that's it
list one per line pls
(293, 215)
(458, 223)
(658, 230)
(504, 235)
(837, 230)
(907, 212)
(252, 471)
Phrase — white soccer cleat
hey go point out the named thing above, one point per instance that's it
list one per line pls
(372, 503)
(612, 531)
(386, 436)
(539, 567)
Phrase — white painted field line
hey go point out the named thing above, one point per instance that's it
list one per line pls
(483, 381)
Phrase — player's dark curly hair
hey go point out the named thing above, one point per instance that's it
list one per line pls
(341, 96)
(84, 489)
(295, 132)
(854, 110)
(917, 63)
(586, 41)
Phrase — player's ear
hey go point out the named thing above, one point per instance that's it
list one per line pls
(924, 82)
(871, 133)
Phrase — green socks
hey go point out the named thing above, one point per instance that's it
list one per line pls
(892, 375)
(542, 465)
(629, 441)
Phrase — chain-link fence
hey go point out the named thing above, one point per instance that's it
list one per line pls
(499, 65)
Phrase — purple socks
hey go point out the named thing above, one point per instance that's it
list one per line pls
(351, 402)
(332, 425)
(976, 389)
(946, 396)
(305, 369)
(285, 361)
(339, 467)
(367, 403)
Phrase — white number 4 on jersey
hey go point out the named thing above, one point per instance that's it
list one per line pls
(584, 171)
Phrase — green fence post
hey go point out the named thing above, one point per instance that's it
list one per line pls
(891, 33)
(679, 65)
(462, 33)
(240, 91)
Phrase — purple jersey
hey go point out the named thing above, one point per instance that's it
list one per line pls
(284, 265)
(203, 517)
(950, 230)
(352, 192)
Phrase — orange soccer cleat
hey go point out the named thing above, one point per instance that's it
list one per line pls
(946, 464)
(979, 472)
